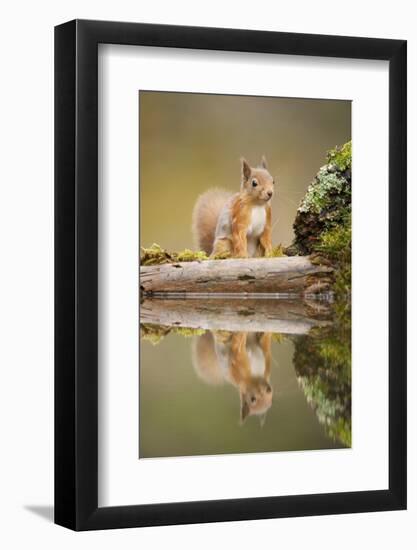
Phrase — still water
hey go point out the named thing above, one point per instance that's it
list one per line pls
(242, 376)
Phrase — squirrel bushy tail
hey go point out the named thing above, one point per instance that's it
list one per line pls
(205, 360)
(205, 215)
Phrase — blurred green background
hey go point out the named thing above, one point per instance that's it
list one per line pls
(191, 142)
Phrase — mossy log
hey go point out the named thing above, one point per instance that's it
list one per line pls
(295, 275)
(249, 315)
(326, 204)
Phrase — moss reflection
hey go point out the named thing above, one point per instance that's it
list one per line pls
(322, 362)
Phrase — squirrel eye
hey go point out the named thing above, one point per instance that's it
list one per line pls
(253, 399)
(254, 183)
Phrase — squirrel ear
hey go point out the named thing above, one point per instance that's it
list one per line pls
(264, 164)
(244, 409)
(262, 419)
(245, 169)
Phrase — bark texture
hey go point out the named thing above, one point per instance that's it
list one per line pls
(288, 275)
(249, 315)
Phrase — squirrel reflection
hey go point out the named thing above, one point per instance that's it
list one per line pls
(242, 359)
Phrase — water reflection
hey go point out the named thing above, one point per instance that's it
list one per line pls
(282, 382)
(322, 362)
(242, 359)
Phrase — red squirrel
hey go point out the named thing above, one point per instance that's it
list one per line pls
(242, 359)
(237, 224)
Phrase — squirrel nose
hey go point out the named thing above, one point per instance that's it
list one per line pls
(270, 193)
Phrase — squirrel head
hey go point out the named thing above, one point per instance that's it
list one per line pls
(257, 182)
(255, 399)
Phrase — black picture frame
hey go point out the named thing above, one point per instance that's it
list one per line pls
(76, 272)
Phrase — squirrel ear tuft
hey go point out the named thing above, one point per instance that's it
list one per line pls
(244, 408)
(246, 171)
(262, 419)
(264, 164)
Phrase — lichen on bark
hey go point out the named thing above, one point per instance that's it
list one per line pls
(327, 202)
(322, 226)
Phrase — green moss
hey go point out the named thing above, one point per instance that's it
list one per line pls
(222, 256)
(341, 157)
(276, 252)
(335, 351)
(155, 333)
(336, 245)
(188, 332)
(341, 429)
(190, 256)
(278, 337)
(322, 362)
(154, 255)
(343, 281)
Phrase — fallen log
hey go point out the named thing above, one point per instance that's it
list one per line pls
(248, 315)
(294, 275)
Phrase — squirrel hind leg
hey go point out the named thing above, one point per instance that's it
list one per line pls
(222, 247)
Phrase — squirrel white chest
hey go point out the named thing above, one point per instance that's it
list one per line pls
(257, 223)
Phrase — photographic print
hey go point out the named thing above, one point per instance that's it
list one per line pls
(245, 274)
(203, 277)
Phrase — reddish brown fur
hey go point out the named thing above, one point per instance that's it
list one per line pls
(265, 241)
(241, 215)
(244, 381)
(206, 365)
(210, 204)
